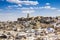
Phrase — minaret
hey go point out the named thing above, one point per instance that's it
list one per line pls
(27, 15)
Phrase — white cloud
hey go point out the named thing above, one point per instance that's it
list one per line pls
(43, 7)
(14, 1)
(47, 7)
(28, 11)
(19, 5)
(53, 8)
(10, 7)
(47, 3)
(1, 9)
(23, 2)
(58, 10)
(32, 8)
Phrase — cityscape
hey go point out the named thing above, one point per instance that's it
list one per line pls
(29, 19)
(31, 28)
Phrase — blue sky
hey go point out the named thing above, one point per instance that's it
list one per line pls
(13, 9)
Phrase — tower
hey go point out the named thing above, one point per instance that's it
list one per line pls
(27, 15)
